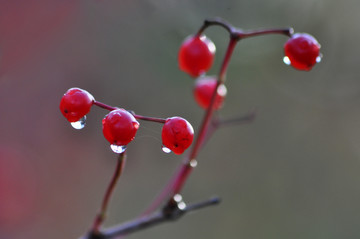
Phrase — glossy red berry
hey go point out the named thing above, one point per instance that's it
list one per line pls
(75, 104)
(119, 127)
(196, 55)
(302, 51)
(177, 134)
(204, 89)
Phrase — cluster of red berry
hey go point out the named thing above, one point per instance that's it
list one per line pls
(196, 56)
(120, 126)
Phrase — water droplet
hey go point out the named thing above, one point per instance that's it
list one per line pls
(286, 60)
(193, 163)
(166, 150)
(318, 59)
(181, 205)
(79, 124)
(118, 148)
(178, 198)
(222, 90)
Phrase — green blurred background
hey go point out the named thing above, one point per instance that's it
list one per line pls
(293, 173)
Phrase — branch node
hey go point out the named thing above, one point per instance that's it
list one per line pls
(95, 235)
(174, 209)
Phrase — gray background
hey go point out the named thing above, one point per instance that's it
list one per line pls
(293, 173)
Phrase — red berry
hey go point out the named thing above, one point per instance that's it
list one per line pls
(204, 89)
(75, 104)
(196, 55)
(177, 134)
(119, 127)
(303, 51)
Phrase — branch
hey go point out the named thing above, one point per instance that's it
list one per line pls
(244, 119)
(99, 219)
(171, 212)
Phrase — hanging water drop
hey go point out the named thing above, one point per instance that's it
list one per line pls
(318, 59)
(118, 148)
(286, 60)
(166, 150)
(79, 124)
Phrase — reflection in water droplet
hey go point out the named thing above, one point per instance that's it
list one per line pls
(318, 59)
(79, 124)
(286, 60)
(166, 150)
(118, 148)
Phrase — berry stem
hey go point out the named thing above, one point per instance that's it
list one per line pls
(236, 32)
(139, 117)
(146, 118)
(104, 106)
(284, 31)
(217, 21)
(99, 219)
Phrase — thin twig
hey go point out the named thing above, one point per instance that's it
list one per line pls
(244, 119)
(139, 117)
(99, 219)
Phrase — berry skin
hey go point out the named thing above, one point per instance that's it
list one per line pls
(302, 50)
(177, 134)
(204, 89)
(75, 104)
(119, 127)
(196, 55)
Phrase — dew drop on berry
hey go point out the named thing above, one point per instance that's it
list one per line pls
(166, 150)
(118, 148)
(79, 124)
(318, 59)
(287, 60)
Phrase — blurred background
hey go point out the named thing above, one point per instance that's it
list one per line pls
(293, 173)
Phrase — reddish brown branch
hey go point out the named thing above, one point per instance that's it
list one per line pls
(139, 117)
(239, 33)
(99, 219)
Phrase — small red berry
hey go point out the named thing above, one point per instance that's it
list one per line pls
(177, 134)
(119, 127)
(302, 51)
(196, 55)
(204, 89)
(75, 104)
